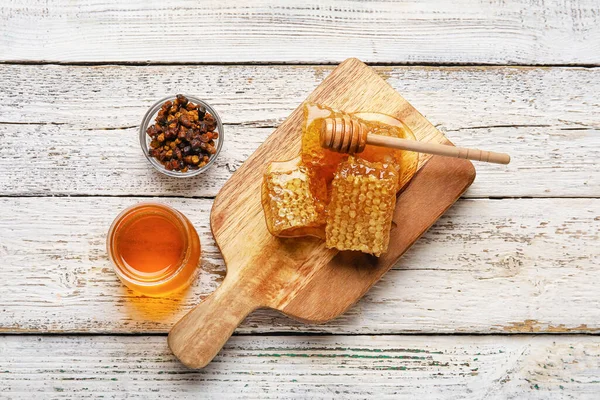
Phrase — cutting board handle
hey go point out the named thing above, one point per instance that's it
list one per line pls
(201, 333)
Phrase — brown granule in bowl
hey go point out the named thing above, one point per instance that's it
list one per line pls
(183, 135)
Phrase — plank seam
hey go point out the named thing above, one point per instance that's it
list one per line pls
(292, 63)
(253, 124)
(257, 124)
(303, 333)
(151, 196)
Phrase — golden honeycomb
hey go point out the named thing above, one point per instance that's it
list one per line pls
(294, 199)
(347, 200)
(323, 161)
(363, 199)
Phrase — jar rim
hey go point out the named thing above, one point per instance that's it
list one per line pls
(183, 224)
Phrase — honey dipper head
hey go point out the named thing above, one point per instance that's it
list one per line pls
(343, 135)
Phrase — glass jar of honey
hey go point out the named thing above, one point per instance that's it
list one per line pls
(154, 249)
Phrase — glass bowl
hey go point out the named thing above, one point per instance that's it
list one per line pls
(145, 139)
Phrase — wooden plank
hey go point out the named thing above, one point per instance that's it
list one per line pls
(68, 130)
(449, 367)
(432, 31)
(487, 266)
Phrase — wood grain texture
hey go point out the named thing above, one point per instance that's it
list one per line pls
(301, 277)
(488, 266)
(504, 266)
(432, 31)
(68, 130)
(399, 367)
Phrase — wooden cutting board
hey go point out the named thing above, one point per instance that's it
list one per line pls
(299, 276)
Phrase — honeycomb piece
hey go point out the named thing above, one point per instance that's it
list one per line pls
(363, 199)
(294, 199)
(323, 161)
(404, 161)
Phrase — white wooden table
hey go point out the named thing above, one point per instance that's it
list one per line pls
(500, 299)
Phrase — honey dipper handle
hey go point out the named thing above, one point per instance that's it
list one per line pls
(201, 333)
(438, 149)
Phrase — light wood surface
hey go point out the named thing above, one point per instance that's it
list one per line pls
(430, 31)
(519, 256)
(67, 286)
(468, 274)
(546, 118)
(300, 276)
(316, 367)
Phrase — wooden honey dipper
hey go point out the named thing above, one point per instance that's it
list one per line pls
(349, 135)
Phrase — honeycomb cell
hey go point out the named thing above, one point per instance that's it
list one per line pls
(294, 200)
(363, 198)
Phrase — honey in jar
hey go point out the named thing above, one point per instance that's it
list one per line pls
(154, 249)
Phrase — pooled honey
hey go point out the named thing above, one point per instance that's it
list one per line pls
(154, 248)
(325, 161)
